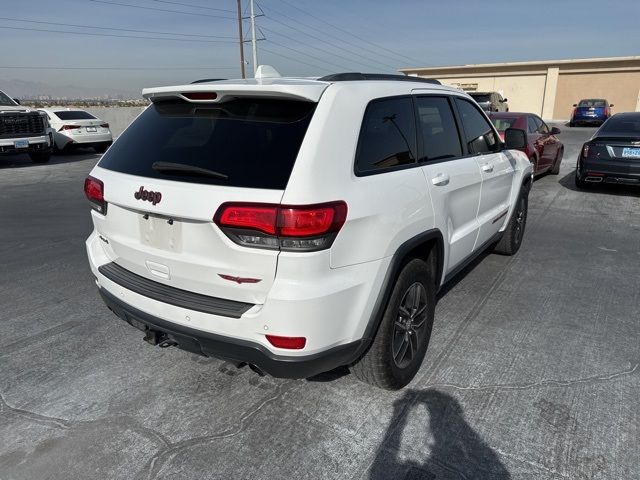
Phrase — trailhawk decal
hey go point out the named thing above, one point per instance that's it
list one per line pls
(148, 195)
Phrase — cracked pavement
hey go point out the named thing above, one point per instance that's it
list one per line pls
(532, 371)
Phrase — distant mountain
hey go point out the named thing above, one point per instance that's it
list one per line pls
(27, 89)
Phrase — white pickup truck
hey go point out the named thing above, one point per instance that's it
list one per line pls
(24, 130)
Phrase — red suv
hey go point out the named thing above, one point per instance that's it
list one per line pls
(543, 147)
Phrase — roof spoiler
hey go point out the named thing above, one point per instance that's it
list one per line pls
(355, 76)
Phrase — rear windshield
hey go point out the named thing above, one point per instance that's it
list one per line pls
(74, 115)
(478, 97)
(502, 124)
(624, 124)
(254, 142)
(593, 103)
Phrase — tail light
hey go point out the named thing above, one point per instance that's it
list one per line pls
(94, 190)
(200, 95)
(607, 112)
(290, 343)
(104, 125)
(585, 150)
(284, 227)
(69, 127)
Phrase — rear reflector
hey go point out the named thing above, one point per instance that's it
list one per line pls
(94, 190)
(290, 343)
(200, 95)
(284, 227)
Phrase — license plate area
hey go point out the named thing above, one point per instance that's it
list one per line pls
(21, 144)
(161, 232)
(91, 129)
(630, 152)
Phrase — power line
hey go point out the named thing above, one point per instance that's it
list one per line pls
(161, 9)
(299, 52)
(340, 47)
(116, 36)
(112, 28)
(396, 54)
(319, 49)
(293, 59)
(39, 67)
(193, 6)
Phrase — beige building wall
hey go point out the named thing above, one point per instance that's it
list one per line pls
(524, 93)
(622, 89)
(548, 88)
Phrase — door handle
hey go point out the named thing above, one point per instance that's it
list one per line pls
(440, 180)
(487, 167)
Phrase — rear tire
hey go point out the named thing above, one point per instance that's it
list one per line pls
(555, 170)
(101, 148)
(40, 157)
(572, 124)
(397, 351)
(511, 239)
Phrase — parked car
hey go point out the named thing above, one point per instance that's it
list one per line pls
(298, 225)
(23, 130)
(490, 101)
(593, 111)
(543, 148)
(79, 128)
(613, 153)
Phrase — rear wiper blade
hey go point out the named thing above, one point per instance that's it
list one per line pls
(170, 167)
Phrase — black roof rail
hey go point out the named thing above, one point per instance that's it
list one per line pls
(352, 76)
(206, 80)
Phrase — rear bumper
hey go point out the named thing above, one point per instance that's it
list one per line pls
(609, 171)
(86, 139)
(232, 349)
(589, 120)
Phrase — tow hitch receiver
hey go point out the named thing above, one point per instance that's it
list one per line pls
(161, 339)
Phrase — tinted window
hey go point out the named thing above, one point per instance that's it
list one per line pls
(388, 135)
(6, 100)
(533, 126)
(593, 102)
(254, 142)
(74, 115)
(542, 127)
(502, 124)
(481, 97)
(623, 124)
(479, 134)
(438, 128)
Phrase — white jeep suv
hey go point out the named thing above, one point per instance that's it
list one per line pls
(299, 225)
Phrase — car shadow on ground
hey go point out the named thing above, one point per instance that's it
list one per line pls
(23, 160)
(568, 182)
(437, 438)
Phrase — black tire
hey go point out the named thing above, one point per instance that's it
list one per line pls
(555, 169)
(534, 163)
(101, 148)
(572, 124)
(511, 239)
(406, 325)
(40, 157)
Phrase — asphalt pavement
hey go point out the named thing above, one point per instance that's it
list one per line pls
(532, 371)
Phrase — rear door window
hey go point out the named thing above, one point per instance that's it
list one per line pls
(254, 142)
(532, 125)
(437, 128)
(387, 137)
(479, 133)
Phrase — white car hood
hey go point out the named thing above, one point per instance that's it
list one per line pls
(14, 108)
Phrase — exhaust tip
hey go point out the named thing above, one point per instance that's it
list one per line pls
(593, 179)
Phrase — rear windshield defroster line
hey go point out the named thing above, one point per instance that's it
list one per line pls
(254, 142)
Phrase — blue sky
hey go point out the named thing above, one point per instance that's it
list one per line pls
(317, 37)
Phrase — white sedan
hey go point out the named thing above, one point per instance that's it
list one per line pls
(79, 128)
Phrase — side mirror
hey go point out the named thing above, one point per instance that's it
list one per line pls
(17, 101)
(611, 105)
(515, 139)
(504, 100)
(555, 131)
(575, 104)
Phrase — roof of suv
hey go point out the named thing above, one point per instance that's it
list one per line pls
(309, 89)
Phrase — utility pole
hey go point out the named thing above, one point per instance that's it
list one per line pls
(253, 39)
(241, 38)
